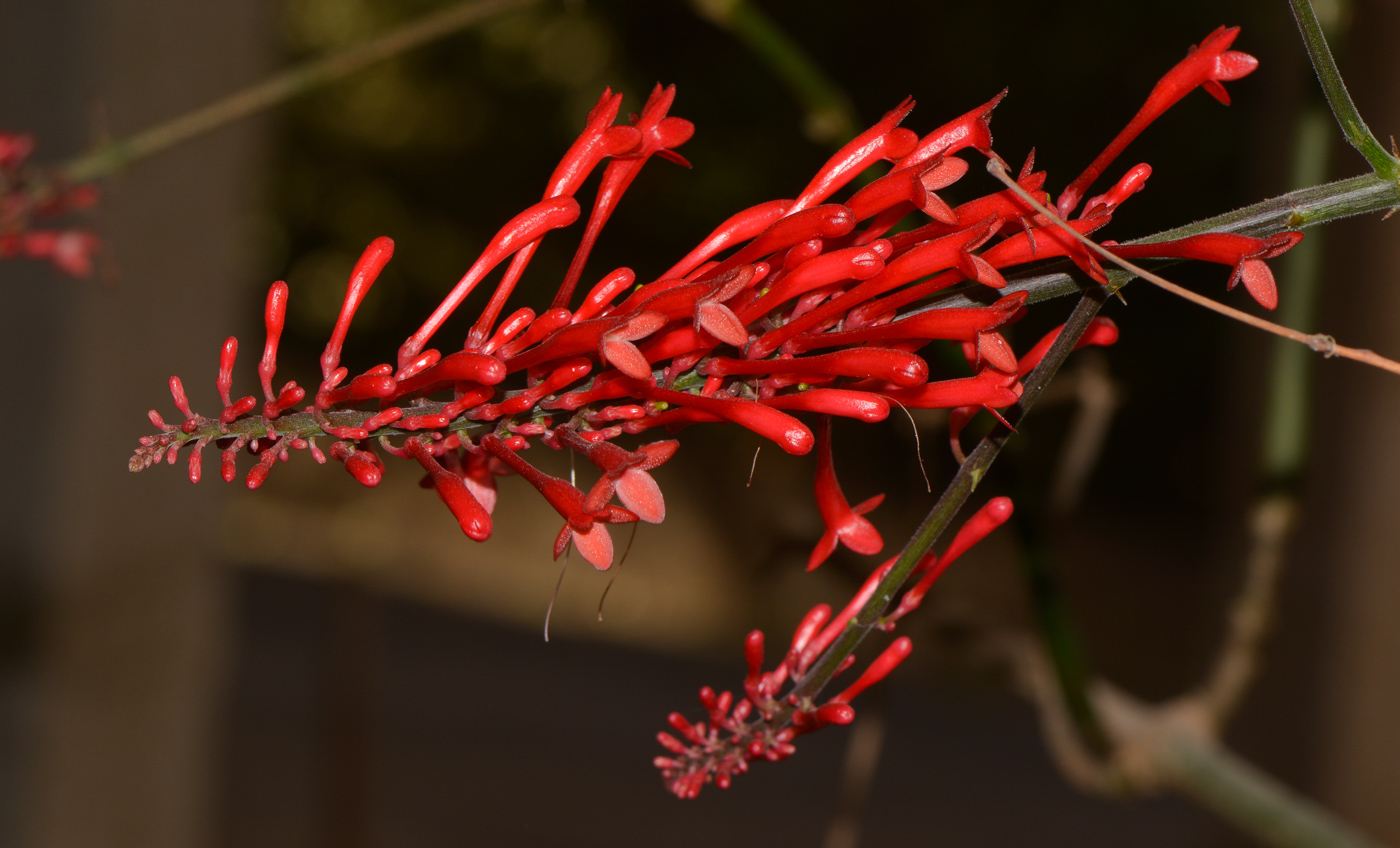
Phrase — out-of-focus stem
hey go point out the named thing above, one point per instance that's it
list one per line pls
(1163, 746)
(1284, 443)
(863, 749)
(116, 155)
(1068, 658)
(1286, 409)
(830, 117)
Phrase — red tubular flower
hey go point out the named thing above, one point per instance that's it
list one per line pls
(992, 515)
(1132, 182)
(1101, 331)
(462, 366)
(520, 231)
(928, 258)
(366, 271)
(973, 129)
(956, 324)
(587, 530)
(624, 472)
(1048, 241)
(603, 294)
(882, 141)
(1207, 67)
(739, 228)
(1245, 253)
(363, 464)
(888, 661)
(470, 514)
(702, 301)
(911, 188)
(990, 388)
(658, 135)
(846, 403)
(790, 434)
(599, 140)
(852, 263)
(843, 522)
(892, 366)
(819, 643)
(274, 317)
(829, 221)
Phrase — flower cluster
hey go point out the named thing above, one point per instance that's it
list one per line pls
(807, 305)
(762, 724)
(26, 196)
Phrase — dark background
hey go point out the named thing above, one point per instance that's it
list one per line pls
(315, 663)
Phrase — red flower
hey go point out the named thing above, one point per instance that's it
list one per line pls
(1206, 66)
(844, 523)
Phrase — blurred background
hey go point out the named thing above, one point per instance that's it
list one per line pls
(319, 664)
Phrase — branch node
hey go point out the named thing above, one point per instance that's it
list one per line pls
(1323, 344)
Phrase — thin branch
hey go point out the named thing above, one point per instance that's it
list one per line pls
(1353, 126)
(1326, 345)
(116, 155)
(1037, 677)
(1251, 613)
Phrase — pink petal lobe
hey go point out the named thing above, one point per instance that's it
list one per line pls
(720, 321)
(625, 357)
(485, 493)
(1259, 282)
(993, 349)
(595, 546)
(638, 492)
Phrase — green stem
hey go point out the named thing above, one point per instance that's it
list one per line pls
(1355, 129)
(954, 496)
(1249, 798)
(1316, 205)
(116, 155)
(1285, 433)
(830, 117)
(1295, 210)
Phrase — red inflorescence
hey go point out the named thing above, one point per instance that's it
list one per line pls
(792, 306)
(28, 195)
